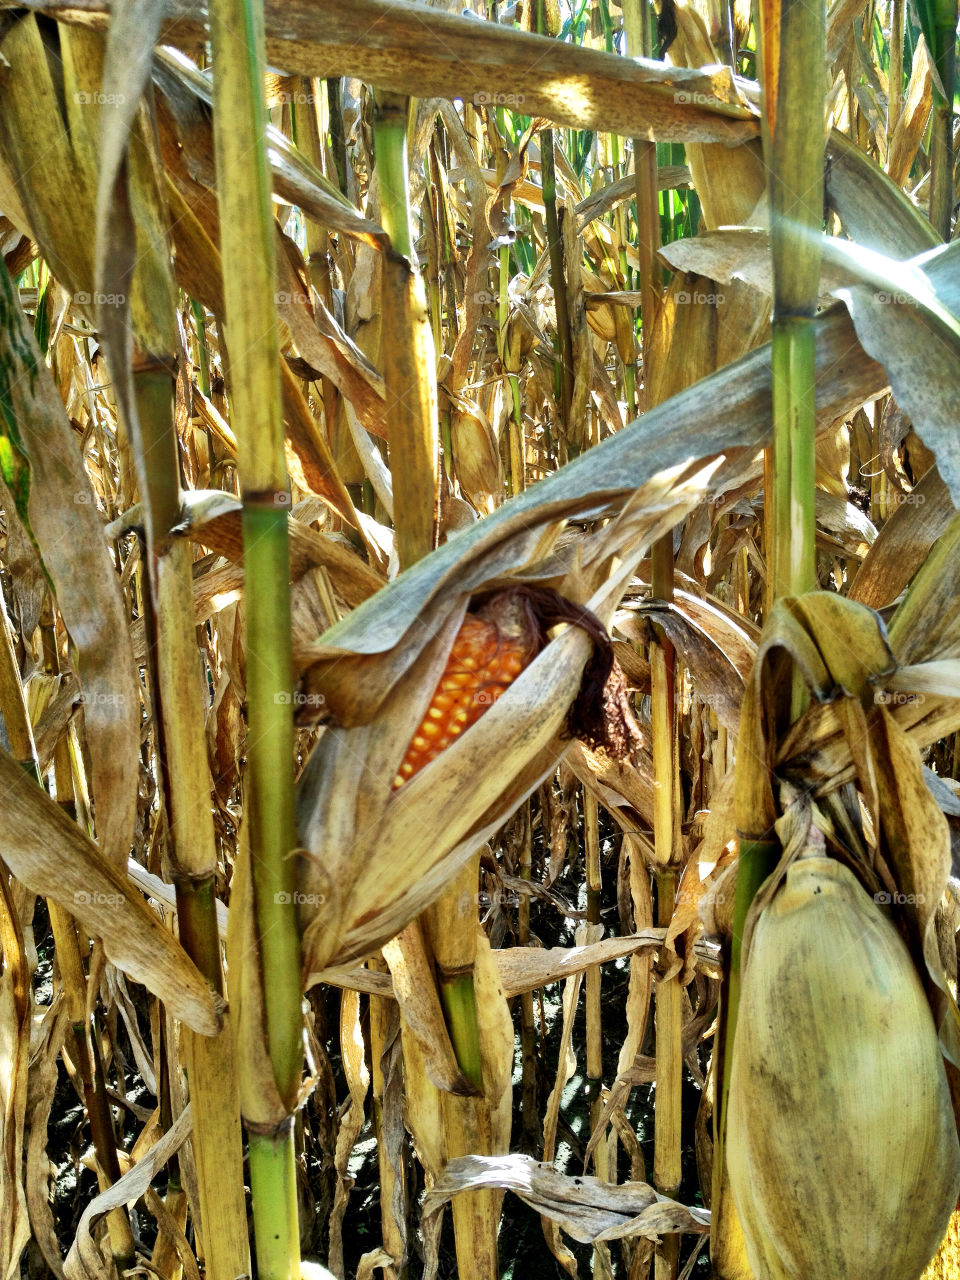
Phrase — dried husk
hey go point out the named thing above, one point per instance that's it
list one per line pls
(842, 1146)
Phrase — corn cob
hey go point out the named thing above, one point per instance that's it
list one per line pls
(491, 648)
(841, 1141)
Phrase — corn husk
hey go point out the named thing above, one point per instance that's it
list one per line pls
(842, 1145)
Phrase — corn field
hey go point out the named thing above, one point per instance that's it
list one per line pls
(480, 664)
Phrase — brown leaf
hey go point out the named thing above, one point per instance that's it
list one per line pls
(588, 1209)
(51, 855)
(70, 535)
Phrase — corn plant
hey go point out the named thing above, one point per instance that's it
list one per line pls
(479, 674)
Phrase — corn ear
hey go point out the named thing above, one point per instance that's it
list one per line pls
(842, 1145)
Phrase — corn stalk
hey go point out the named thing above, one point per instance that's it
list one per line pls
(247, 250)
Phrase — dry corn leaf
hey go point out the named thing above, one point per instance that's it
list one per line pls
(938, 677)
(926, 625)
(422, 1109)
(415, 989)
(436, 53)
(194, 229)
(609, 195)
(388, 1097)
(497, 1044)
(837, 646)
(588, 1209)
(732, 186)
(213, 518)
(478, 260)
(329, 351)
(526, 968)
(841, 525)
(497, 210)
(851, 640)
(28, 587)
(639, 913)
(917, 845)
(393, 625)
(51, 855)
(42, 1085)
(718, 646)
(624, 787)
(260, 1100)
(15, 1016)
(376, 469)
(818, 741)
(309, 459)
(685, 925)
(370, 1262)
(352, 1121)
(580, 336)
(294, 177)
(135, 291)
(116, 986)
(686, 321)
(133, 267)
(54, 498)
(907, 314)
(585, 935)
(85, 1261)
(909, 129)
(170, 1230)
(46, 153)
(318, 338)
(874, 212)
(719, 326)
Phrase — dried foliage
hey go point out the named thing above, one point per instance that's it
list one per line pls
(469, 1029)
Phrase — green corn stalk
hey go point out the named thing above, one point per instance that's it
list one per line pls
(248, 247)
